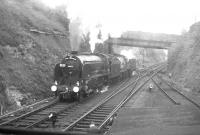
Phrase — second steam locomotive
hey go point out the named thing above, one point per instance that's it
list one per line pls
(79, 75)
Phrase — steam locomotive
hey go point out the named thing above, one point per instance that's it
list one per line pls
(79, 75)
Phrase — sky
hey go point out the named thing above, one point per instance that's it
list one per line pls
(117, 16)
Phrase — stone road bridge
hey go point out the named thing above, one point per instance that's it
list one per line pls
(138, 43)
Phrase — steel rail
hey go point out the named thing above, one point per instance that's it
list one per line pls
(43, 119)
(151, 67)
(47, 117)
(126, 99)
(36, 132)
(176, 90)
(171, 99)
(21, 131)
(25, 107)
(30, 113)
(101, 103)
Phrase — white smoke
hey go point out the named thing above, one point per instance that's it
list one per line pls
(75, 33)
(128, 54)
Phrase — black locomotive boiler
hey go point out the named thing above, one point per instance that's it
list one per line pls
(78, 75)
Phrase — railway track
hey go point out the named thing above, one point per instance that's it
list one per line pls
(30, 109)
(165, 93)
(27, 119)
(102, 114)
(175, 90)
(46, 116)
(24, 109)
(39, 115)
(160, 110)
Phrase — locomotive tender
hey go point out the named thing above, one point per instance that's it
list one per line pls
(79, 75)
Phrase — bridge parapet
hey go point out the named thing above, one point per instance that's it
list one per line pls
(139, 43)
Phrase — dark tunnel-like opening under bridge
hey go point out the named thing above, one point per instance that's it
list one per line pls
(142, 43)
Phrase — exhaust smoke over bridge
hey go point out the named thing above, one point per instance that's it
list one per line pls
(144, 56)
